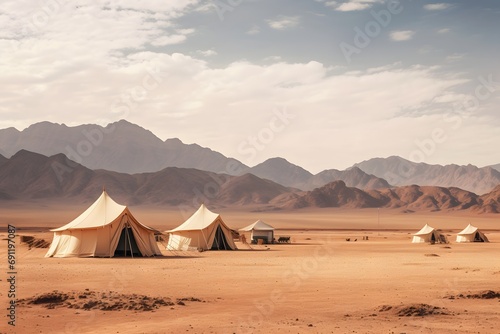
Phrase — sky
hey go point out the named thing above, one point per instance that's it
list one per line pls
(324, 84)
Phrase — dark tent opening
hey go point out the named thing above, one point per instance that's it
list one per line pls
(127, 246)
(477, 238)
(220, 242)
(433, 238)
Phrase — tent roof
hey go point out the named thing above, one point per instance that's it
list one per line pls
(425, 230)
(259, 225)
(201, 219)
(469, 230)
(103, 212)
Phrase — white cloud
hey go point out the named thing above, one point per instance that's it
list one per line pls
(192, 94)
(185, 31)
(206, 7)
(254, 30)
(81, 50)
(450, 97)
(207, 53)
(83, 62)
(444, 31)
(437, 6)
(284, 22)
(332, 4)
(402, 35)
(168, 40)
(351, 5)
(179, 37)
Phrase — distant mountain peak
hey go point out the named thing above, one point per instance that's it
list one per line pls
(281, 171)
(281, 162)
(399, 172)
(46, 123)
(25, 153)
(11, 130)
(175, 141)
(277, 160)
(126, 124)
(121, 146)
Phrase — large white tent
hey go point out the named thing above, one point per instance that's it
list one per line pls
(260, 230)
(471, 234)
(105, 229)
(204, 230)
(428, 234)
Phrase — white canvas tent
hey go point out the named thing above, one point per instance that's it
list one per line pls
(428, 234)
(471, 234)
(105, 229)
(204, 230)
(260, 230)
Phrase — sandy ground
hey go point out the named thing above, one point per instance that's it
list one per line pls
(318, 284)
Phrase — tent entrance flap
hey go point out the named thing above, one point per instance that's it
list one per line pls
(127, 246)
(220, 242)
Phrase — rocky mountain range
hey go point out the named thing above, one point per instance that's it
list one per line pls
(496, 167)
(283, 172)
(409, 198)
(32, 176)
(29, 176)
(398, 171)
(122, 147)
(128, 148)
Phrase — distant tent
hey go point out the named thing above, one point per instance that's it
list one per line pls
(204, 230)
(429, 234)
(105, 229)
(471, 234)
(260, 230)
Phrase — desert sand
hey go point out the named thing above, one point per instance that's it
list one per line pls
(320, 283)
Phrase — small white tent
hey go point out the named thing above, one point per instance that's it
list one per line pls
(471, 234)
(260, 230)
(105, 229)
(204, 230)
(428, 234)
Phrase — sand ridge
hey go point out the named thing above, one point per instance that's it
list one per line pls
(102, 300)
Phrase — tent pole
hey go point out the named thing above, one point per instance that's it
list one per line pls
(109, 238)
(223, 239)
(204, 238)
(130, 244)
(125, 251)
(215, 238)
(131, 250)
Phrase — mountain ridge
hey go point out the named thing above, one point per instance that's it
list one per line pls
(496, 167)
(407, 198)
(129, 148)
(31, 176)
(121, 146)
(398, 172)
